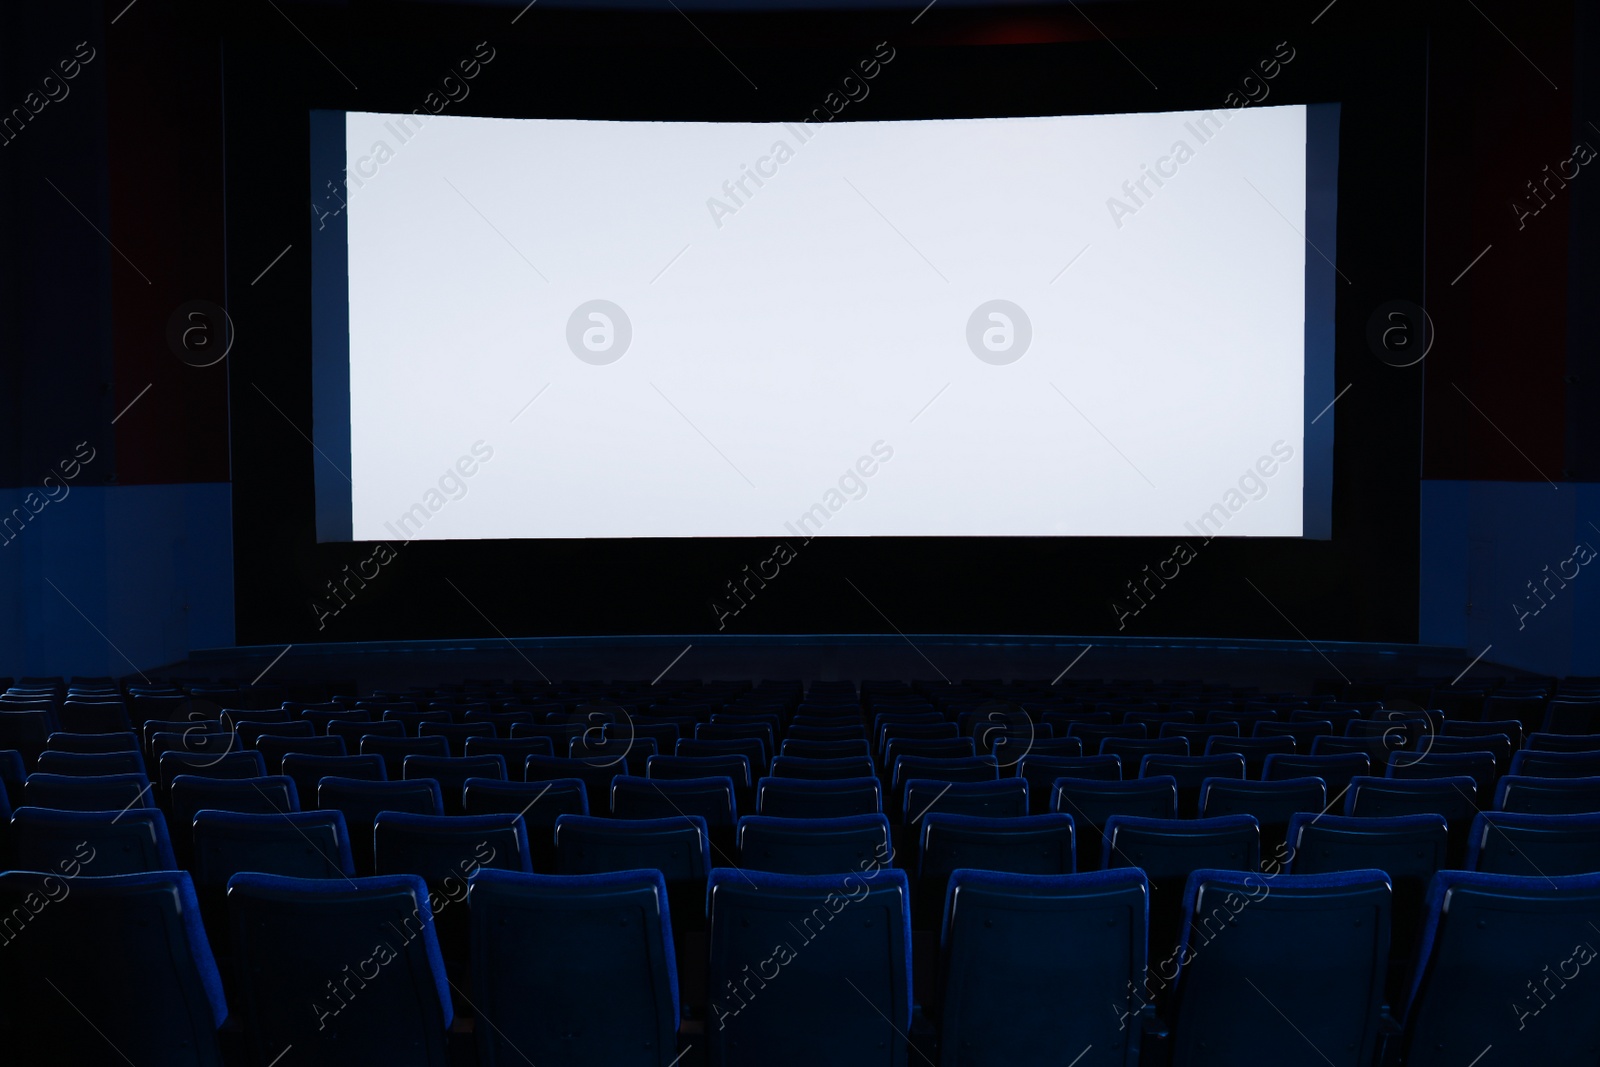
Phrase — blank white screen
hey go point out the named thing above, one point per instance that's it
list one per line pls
(770, 352)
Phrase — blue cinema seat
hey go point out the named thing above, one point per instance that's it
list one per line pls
(1503, 964)
(360, 801)
(72, 792)
(342, 971)
(814, 846)
(124, 762)
(1168, 851)
(947, 842)
(1014, 991)
(712, 799)
(998, 799)
(1286, 970)
(101, 843)
(1504, 842)
(128, 952)
(573, 969)
(801, 798)
(1091, 802)
(307, 771)
(809, 969)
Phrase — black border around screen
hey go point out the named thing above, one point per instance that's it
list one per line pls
(1361, 585)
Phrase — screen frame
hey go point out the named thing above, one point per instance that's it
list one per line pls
(1359, 585)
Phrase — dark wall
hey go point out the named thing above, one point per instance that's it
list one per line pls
(178, 161)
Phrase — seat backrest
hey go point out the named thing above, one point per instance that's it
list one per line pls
(1131, 750)
(246, 763)
(412, 720)
(1334, 768)
(1168, 851)
(457, 734)
(927, 747)
(1410, 849)
(539, 803)
(55, 762)
(252, 732)
(1011, 751)
(1375, 748)
(195, 740)
(938, 769)
(267, 795)
(1171, 849)
(596, 777)
(998, 799)
(1497, 745)
(452, 772)
(1563, 716)
(1031, 844)
(445, 849)
(1057, 921)
(299, 844)
(828, 798)
(1503, 842)
(1271, 802)
(1303, 731)
(678, 847)
(515, 750)
(1191, 772)
(1091, 802)
(804, 767)
(394, 751)
(1542, 742)
(653, 798)
(273, 748)
(1494, 941)
(1255, 750)
(117, 741)
(1199, 734)
(1454, 798)
(1529, 764)
(293, 936)
(101, 843)
(825, 948)
(1244, 993)
(130, 949)
(1548, 796)
(100, 716)
(307, 770)
(798, 745)
(26, 731)
(1040, 772)
(352, 732)
(1479, 766)
(614, 997)
(100, 792)
(623, 753)
(679, 767)
(814, 846)
(362, 800)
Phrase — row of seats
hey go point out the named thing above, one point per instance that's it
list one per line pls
(965, 788)
(804, 970)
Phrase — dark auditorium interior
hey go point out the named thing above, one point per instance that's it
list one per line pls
(1101, 582)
